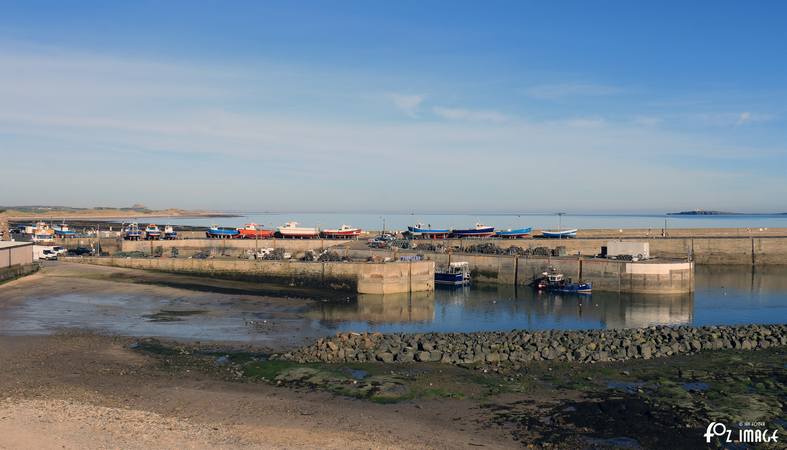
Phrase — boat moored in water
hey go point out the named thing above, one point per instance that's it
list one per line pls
(554, 281)
(426, 231)
(292, 230)
(514, 233)
(254, 231)
(559, 234)
(345, 232)
(152, 232)
(479, 230)
(455, 274)
(217, 232)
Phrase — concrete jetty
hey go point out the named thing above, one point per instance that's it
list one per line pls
(351, 277)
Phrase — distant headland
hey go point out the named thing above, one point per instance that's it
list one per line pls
(703, 212)
(100, 212)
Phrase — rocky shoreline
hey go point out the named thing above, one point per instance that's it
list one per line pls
(517, 347)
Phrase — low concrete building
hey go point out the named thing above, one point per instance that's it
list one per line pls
(15, 253)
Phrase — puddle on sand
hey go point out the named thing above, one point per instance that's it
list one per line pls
(629, 387)
(169, 315)
(355, 374)
(696, 386)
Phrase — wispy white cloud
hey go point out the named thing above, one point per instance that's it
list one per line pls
(407, 103)
(152, 123)
(562, 90)
(468, 114)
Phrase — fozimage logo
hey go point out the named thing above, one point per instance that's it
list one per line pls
(744, 435)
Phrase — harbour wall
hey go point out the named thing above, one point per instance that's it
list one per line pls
(361, 278)
(715, 250)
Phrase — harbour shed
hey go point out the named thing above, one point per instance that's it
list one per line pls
(15, 254)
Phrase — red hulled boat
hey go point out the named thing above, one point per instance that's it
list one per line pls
(254, 231)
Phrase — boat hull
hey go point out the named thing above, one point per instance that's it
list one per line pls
(341, 234)
(559, 234)
(222, 234)
(514, 234)
(256, 234)
(450, 279)
(428, 233)
(475, 232)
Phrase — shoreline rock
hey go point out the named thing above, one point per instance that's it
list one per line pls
(522, 346)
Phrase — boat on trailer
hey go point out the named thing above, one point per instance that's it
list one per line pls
(559, 234)
(554, 281)
(343, 232)
(254, 231)
(131, 232)
(62, 231)
(292, 230)
(455, 274)
(479, 230)
(516, 233)
(42, 233)
(217, 232)
(169, 233)
(426, 231)
(152, 232)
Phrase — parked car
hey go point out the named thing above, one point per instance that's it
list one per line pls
(48, 255)
(80, 251)
(61, 251)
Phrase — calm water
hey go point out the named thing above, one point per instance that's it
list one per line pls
(725, 295)
(401, 221)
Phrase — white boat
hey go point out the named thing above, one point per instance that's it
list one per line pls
(43, 233)
(345, 231)
(559, 234)
(456, 274)
(292, 230)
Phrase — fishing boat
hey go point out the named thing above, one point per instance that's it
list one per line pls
(345, 232)
(559, 234)
(554, 281)
(456, 274)
(41, 232)
(516, 233)
(479, 230)
(292, 230)
(217, 232)
(152, 232)
(254, 231)
(62, 231)
(132, 232)
(169, 233)
(426, 231)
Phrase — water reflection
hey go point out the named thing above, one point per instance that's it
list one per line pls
(495, 308)
(724, 295)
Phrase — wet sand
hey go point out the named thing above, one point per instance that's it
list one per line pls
(86, 391)
(115, 301)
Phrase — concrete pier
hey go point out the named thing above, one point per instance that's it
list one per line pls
(351, 277)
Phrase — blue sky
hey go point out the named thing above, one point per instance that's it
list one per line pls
(395, 106)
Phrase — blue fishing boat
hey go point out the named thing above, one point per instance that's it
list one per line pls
(426, 231)
(514, 233)
(456, 274)
(554, 281)
(132, 232)
(217, 232)
(62, 231)
(560, 234)
(478, 231)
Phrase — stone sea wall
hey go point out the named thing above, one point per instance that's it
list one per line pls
(523, 346)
